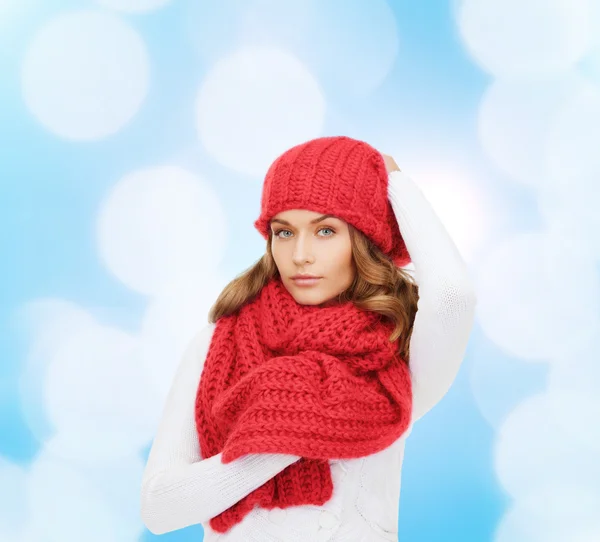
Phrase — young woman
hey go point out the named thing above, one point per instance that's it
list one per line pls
(289, 412)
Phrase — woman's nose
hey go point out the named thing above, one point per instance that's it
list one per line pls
(302, 251)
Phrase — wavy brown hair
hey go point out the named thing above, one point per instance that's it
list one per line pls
(379, 286)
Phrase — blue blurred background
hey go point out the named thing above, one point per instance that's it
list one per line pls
(134, 137)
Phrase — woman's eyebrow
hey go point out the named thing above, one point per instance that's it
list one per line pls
(312, 221)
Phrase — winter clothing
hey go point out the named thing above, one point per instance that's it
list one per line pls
(335, 175)
(318, 382)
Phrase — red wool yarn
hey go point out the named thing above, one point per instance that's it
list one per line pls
(317, 382)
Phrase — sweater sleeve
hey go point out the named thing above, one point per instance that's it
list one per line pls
(179, 488)
(446, 306)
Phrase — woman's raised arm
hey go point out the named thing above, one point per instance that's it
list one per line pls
(446, 307)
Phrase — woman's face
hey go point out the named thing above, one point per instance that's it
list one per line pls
(302, 243)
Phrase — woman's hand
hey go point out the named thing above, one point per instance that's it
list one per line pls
(390, 163)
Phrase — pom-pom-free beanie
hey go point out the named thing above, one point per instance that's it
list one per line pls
(336, 175)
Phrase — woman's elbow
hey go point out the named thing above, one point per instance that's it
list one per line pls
(153, 528)
(163, 511)
(150, 508)
(151, 523)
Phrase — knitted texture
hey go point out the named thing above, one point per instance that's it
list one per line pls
(316, 382)
(335, 175)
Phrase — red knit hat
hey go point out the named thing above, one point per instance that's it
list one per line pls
(335, 175)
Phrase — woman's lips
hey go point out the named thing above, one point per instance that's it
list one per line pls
(306, 282)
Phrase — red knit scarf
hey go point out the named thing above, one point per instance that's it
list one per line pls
(317, 382)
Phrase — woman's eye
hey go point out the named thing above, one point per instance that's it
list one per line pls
(285, 237)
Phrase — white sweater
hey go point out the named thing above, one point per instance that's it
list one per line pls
(180, 489)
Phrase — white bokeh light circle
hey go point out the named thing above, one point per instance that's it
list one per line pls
(578, 374)
(160, 223)
(514, 119)
(85, 75)
(577, 412)
(133, 6)
(350, 45)
(98, 395)
(560, 513)
(514, 39)
(534, 448)
(46, 323)
(578, 369)
(255, 104)
(528, 303)
(569, 213)
(572, 151)
(71, 504)
(172, 318)
(570, 201)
